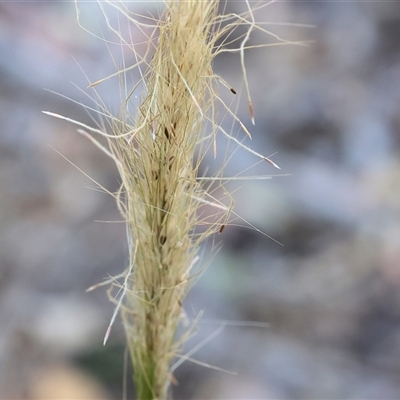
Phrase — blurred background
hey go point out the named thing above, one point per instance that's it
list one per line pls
(316, 318)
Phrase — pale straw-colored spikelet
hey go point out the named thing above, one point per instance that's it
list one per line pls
(162, 196)
(158, 151)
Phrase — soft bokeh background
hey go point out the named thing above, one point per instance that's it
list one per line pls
(331, 294)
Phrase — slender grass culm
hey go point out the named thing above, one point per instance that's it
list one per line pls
(158, 151)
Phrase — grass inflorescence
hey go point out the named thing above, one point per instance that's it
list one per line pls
(161, 195)
(158, 151)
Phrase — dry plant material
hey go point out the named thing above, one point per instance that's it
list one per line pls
(162, 197)
(157, 152)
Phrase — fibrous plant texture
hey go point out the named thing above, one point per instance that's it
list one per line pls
(161, 195)
(158, 150)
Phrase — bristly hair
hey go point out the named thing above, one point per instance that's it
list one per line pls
(158, 151)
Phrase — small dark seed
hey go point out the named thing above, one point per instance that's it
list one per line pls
(166, 133)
